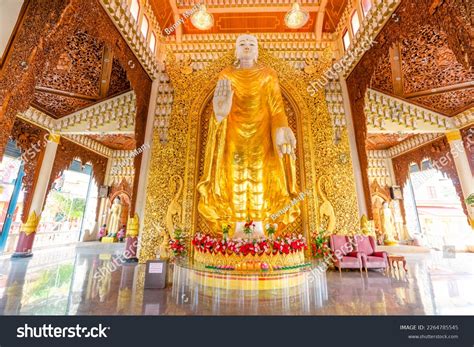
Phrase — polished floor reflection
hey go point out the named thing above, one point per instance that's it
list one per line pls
(91, 279)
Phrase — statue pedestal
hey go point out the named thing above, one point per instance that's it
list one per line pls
(254, 255)
(251, 263)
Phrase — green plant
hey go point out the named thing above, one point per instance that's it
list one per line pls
(271, 229)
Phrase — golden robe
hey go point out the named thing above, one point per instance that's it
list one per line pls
(243, 175)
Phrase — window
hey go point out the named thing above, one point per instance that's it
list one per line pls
(355, 22)
(134, 9)
(346, 39)
(152, 42)
(366, 6)
(144, 28)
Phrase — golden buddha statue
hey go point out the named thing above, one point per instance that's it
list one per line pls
(249, 169)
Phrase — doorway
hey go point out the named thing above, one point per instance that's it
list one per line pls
(69, 208)
(439, 212)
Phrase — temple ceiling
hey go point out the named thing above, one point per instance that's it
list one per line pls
(118, 142)
(422, 69)
(256, 16)
(84, 74)
(385, 141)
(429, 71)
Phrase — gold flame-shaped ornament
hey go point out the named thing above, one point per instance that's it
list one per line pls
(31, 224)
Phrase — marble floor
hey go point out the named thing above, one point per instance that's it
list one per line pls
(90, 279)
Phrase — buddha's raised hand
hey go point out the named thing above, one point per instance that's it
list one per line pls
(285, 142)
(222, 101)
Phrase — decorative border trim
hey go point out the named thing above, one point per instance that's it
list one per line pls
(412, 143)
(127, 26)
(464, 118)
(380, 108)
(90, 144)
(377, 168)
(120, 110)
(295, 48)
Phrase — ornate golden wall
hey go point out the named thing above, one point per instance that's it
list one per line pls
(318, 156)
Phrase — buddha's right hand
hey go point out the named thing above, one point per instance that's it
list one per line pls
(222, 101)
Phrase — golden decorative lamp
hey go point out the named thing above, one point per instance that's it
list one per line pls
(296, 17)
(202, 19)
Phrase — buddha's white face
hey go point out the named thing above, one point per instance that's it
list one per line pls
(246, 47)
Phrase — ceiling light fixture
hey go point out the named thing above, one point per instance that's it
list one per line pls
(296, 18)
(202, 19)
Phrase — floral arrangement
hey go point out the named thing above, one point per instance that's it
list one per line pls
(178, 243)
(281, 245)
(320, 245)
(248, 227)
(225, 230)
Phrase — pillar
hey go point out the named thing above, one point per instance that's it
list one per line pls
(146, 155)
(28, 229)
(102, 217)
(137, 220)
(354, 152)
(462, 167)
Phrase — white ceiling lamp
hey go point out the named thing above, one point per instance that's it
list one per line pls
(202, 19)
(296, 17)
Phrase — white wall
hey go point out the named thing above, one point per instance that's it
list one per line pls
(9, 11)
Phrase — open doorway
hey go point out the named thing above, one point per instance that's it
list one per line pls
(440, 217)
(70, 207)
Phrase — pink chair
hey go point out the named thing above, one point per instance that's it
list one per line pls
(371, 258)
(345, 257)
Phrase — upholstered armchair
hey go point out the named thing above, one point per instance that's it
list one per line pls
(370, 257)
(343, 254)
